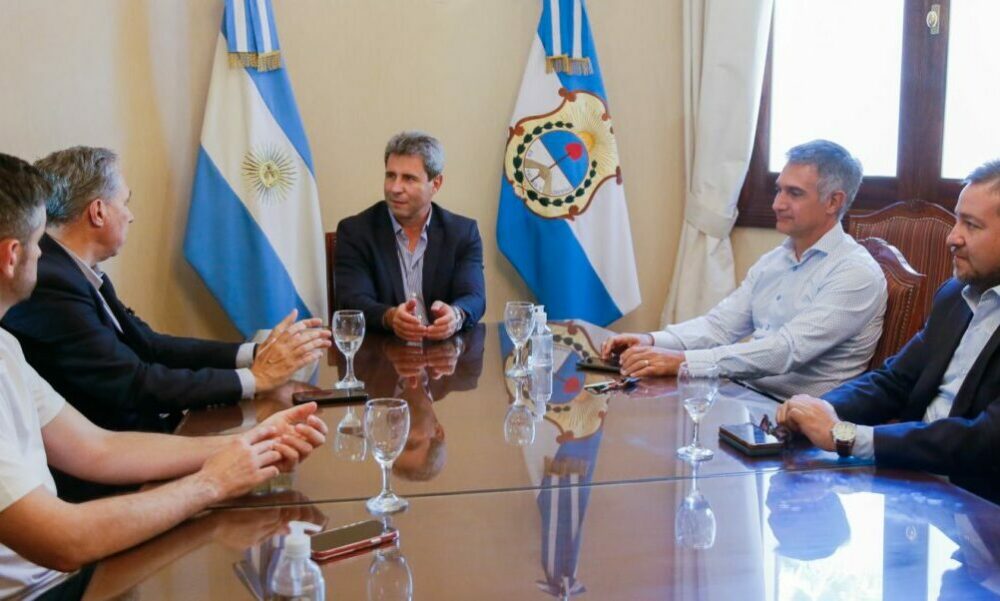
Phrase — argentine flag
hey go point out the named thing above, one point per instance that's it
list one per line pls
(254, 231)
(562, 220)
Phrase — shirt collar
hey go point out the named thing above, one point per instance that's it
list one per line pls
(973, 297)
(93, 274)
(825, 245)
(398, 227)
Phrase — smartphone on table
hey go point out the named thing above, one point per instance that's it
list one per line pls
(352, 396)
(351, 539)
(595, 363)
(750, 439)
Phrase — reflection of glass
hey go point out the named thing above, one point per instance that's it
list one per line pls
(387, 423)
(519, 425)
(348, 333)
(389, 576)
(697, 385)
(694, 522)
(519, 320)
(351, 423)
(541, 388)
(351, 447)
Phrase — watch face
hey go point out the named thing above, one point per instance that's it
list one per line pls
(843, 431)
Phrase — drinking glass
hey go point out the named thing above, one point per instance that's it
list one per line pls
(519, 320)
(694, 522)
(348, 332)
(387, 424)
(697, 385)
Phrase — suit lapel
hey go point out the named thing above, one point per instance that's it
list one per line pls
(432, 255)
(69, 267)
(955, 323)
(386, 246)
(967, 393)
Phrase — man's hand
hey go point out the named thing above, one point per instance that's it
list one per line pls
(618, 343)
(404, 321)
(811, 416)
(445, 323)
(297, 431)
(246, 462)
(442, 359)
(644, 361)
(290, 346)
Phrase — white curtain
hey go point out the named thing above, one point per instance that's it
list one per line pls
(725, 47)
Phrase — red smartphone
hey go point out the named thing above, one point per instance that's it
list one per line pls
(351, 539)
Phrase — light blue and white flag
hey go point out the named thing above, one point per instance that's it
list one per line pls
(254, 231)
(563, 222)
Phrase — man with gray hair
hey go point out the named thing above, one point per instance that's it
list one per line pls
(811, 310)
(935, 405)
(411, 266)
(95, 351)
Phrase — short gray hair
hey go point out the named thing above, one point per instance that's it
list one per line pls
(837, 169)
(987, 173)
(23, 190)
(89, 173)
(418, 143)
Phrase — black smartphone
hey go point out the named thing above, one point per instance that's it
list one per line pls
(351, 539)
(596, 364)
(353, 396)
(750, 439)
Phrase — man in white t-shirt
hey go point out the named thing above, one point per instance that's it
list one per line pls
(42, 538)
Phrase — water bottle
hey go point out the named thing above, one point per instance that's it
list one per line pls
(541, 340)
(296, 577)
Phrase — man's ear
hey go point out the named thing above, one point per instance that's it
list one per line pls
(97, 212)
(10, 255)
(437, 181)
(837, 200)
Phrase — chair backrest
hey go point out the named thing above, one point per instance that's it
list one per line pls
(918, 229)
(331, 254)
(905, 286)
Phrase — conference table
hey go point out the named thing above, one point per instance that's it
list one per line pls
(535, 488)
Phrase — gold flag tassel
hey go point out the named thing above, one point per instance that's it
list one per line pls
(566, 64)
(261, 61)
(565, 466)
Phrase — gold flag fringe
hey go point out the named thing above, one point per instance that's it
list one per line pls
(565, 466)
(566, 64)
(262, 61)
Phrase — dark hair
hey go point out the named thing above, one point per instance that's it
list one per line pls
(418, 143)
(89, 173)
(987, 173)
(837, 169)
(23, 189)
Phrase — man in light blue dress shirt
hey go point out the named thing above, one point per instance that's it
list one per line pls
(935, 405)
(809, 313)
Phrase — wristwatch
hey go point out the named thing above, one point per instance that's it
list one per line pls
(843, 437)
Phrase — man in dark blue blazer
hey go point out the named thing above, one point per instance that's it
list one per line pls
(414, 268)
(934, 406)
(95, 351)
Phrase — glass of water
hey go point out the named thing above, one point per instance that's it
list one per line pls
(697, 386)
(348, 333)
(519, 321)
(387, 425)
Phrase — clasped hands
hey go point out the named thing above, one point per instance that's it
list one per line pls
(405, 323)
(273, 446)
(813, 418)
(638, 356)
(410, 362)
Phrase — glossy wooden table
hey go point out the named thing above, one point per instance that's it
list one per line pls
(816, 534)
(473, 430)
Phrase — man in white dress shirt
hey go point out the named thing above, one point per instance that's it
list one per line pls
(809, 313)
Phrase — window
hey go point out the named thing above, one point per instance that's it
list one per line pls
(916, 104)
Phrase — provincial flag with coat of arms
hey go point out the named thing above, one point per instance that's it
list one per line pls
(563, 222)
(254, 231)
